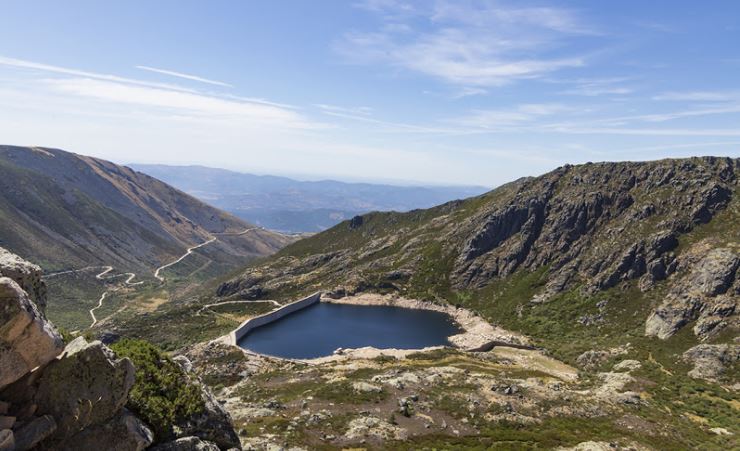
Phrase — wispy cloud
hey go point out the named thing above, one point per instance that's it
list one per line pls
(152, 99)
(48, 68)
(471, 44)
(182, 103)
(184, 76)
(699, 96)
(594, 87)
(670, 132)
(363, 110)
(506, 119)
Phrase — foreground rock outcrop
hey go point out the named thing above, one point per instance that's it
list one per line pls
(73, 397)
(27, 339)
(25, 274)
(54, 396)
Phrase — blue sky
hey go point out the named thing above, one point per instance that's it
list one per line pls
(440, 91)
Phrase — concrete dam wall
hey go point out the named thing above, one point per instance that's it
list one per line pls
(275, 315)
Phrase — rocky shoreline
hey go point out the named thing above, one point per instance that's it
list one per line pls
(477, 334)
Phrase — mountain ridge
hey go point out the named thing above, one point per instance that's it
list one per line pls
(281, 203)
(66, 210)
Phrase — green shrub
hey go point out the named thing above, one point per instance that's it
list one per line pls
(163, 395)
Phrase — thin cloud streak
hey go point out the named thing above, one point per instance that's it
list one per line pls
(183, 103)
(23, 64)
(184, 76)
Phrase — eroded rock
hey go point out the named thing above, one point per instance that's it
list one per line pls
(87, 386)
(27, 340)
(213, 424)
(711, 361)
(31, 434)
(705, 294)
(124, 432)
(25, 274)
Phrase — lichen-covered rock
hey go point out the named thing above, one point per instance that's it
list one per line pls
(373, 427)
(25, 274)
(605, 446)
(711, 361)
(213, 424)
(627, 365)
(27, 340)
(87, 386)
(187, 444)
(705, 294)
(592, 359)
(124, 432)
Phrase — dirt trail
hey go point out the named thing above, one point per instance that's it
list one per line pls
(103, 275)
(182, 257)
(191, 249)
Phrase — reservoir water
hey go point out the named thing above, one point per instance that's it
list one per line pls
(318, 330)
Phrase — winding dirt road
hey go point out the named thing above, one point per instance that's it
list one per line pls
(190, 250)
(131, 276)
(100, 304)
(103, 276)
(71, 271)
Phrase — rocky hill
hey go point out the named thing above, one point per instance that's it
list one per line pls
(68, 211)
(82, 395)
(665, 230)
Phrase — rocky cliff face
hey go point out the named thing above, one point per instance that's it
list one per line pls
(60, 397)
(667, 227)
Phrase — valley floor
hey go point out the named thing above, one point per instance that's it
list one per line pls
(445, 398)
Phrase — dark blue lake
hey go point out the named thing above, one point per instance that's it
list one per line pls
(318, 330)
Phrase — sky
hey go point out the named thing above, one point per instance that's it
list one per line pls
(436, 91)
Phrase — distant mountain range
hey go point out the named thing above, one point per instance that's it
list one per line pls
(287, 205)
(64, 210)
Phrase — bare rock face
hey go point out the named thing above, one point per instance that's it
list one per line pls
(124, 432)
(30, 435)
(25, 274)
(87, 386)
(27, 340)
(711, 361)
(709, 293)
